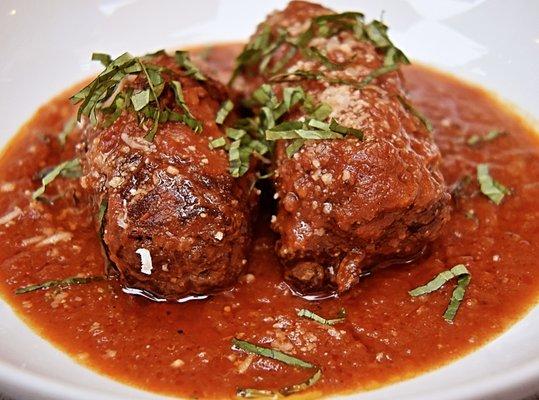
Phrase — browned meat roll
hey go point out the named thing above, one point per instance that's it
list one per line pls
(356, 170)
(175, 222)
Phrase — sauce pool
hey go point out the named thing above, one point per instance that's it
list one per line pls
(185, 349)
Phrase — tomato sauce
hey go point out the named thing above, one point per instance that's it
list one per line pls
(185, 349)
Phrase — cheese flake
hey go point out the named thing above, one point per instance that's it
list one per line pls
(145, 261)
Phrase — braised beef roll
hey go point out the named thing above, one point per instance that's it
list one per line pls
(356, 173)
(174, 221)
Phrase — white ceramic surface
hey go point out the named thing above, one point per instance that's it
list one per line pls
(45, 47)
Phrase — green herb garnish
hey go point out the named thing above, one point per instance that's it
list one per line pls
(491, 188)
(68, 128)
(68, 169)
(270, 353)
(268, 127)
(310, 129)
(223, 111)
(341, 317)
(256, 393)
(183, 60)
(301, 74)
(441, 279)
(257, 48)
(299, 387)
(489, 136)
(294, 147)
(312, 134)
(58, 283)
(377, 73)
(217, 143)
(314, 53)
(321, 112)
(458, 271)
(107, 96)
(279, 356)
(457, 296)
(101, 214)
(103, 58)
(187, 117)
(418, 114)
(241, 149)
(273, 111)
(265, 43)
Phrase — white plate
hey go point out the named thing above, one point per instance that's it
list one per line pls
(45, 47)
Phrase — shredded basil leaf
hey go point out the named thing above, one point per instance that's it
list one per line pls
(341, 317)
(441, 279)
(151, 79)
(310, 129)
(183, 60)
(294, 147)
(301, 74)
(223, 111)
(299, 387)
(302, 134)
(104, 59)
(313, 52)
(238, 158)
(105, 98)
(491, 188)
(270, 353)
(140, 99)
(101, 214)
(256, 393)
(321, 76)
(283, 61)
(458, 271)
(321, 112)
(418, 114)
(68, 128)
(235, 134)
(260, 50)
(279, 356)
(216, 143)
(489, 136)
(58, 283)
(336, 127)
(377, 73)
(457, 297)
(69, 168)
(264, 95)
(253, 52)
(187, 118)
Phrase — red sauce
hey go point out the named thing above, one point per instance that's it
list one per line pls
(387, 335)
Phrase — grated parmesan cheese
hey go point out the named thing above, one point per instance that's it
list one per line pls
(57, 237)
(7, 187)
(219, 235)
(32, 240)
(177, 363)
(145, 261)
(137, 143)
(10, 216)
